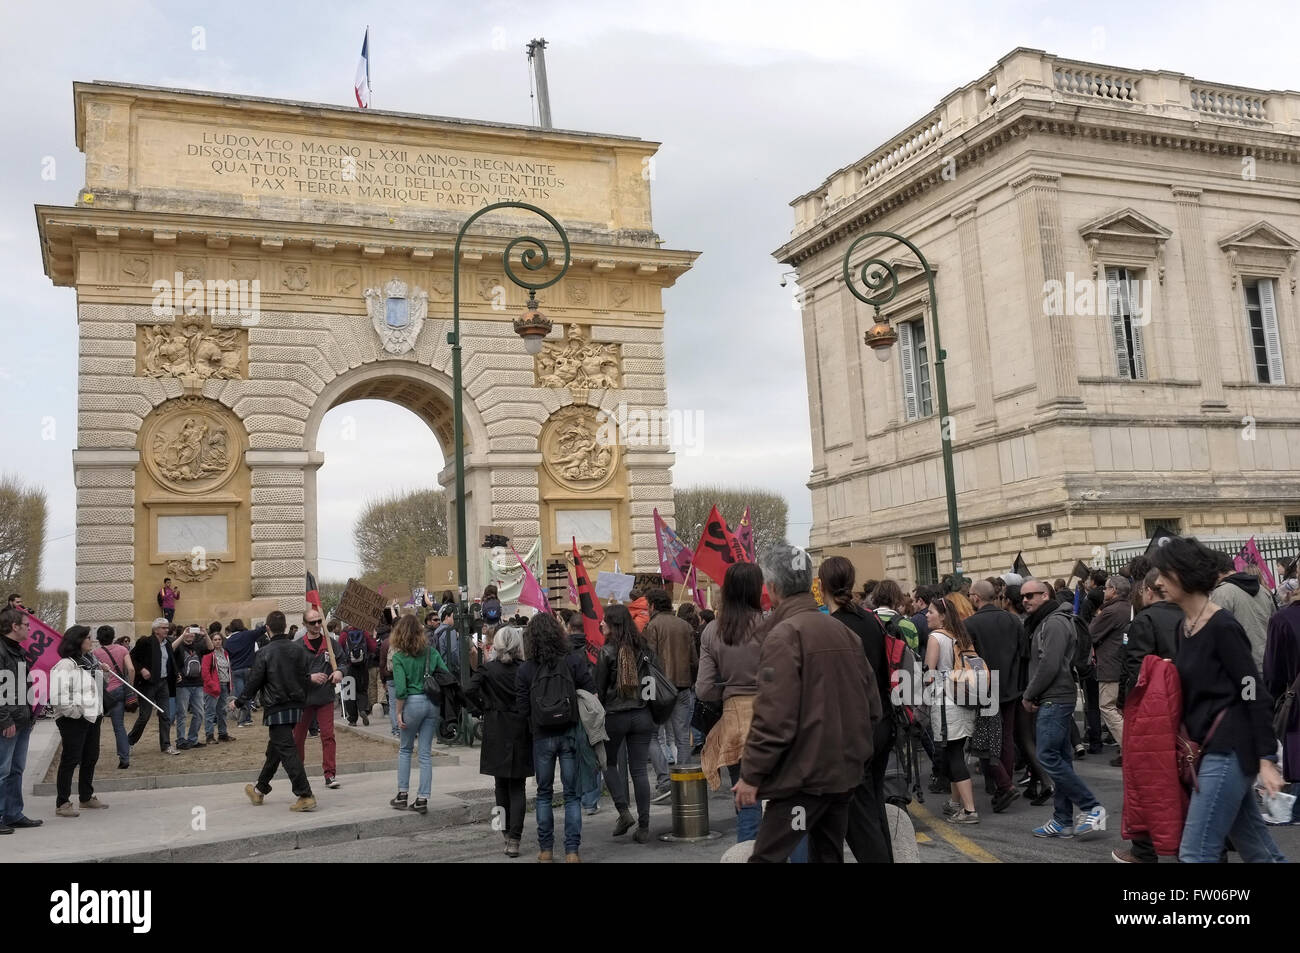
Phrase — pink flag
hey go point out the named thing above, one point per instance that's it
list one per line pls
(573, 590)
(745, 535)
(1251, 556)
(532, 593)
(41, 649)
(674, 556)
(695, 590)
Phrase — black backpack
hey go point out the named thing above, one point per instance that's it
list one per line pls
(1083, 661)
(357, 651)
(492, 610)
(554, 696)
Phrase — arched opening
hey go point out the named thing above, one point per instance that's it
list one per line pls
(373, 431)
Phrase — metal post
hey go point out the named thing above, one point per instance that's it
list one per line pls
(537, 53)
(873, 274)
(533, 257)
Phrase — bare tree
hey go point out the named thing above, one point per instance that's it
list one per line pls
(22, 536)
(394, 534)
(51, 607)
(767, 511)
(331, 594)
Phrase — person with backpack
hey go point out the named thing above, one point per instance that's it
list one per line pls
(507, 752)
(729, 648)
(117, 660)
(952, 720)
(546, 693)
(491, 606)
(868, 831)
(359, 651)
(1050, 696)
(620, 667)
(189, 650)
(241, 646)
(1227, 711)
(417, 716)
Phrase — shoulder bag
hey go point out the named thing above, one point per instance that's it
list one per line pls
(1190, 752)
(657, 689)
(1282, 710)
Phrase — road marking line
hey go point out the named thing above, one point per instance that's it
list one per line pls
(943, 830)
(922, 838)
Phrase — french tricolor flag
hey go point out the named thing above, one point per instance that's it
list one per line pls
(363, 73)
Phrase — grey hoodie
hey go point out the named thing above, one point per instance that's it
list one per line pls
(1051, 678)
(1251, 605)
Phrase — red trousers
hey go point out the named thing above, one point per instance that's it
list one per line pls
(324, 715)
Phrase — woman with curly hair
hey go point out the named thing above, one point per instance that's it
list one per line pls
(627, 716)
(549, 655)
(951, 723)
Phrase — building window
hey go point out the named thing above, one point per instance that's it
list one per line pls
(1171, 523)
(916, 370)
(1263, 341)
(1127, 315)
(1293, 524)
(926, 564)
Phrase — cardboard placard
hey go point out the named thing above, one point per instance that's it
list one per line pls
(440, 575)
(360, 607)
(649, 580)
(614, 585)
(868, 562)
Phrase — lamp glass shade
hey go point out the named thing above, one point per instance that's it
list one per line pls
(882, 354)
(533, 343)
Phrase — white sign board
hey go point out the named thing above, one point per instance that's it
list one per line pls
(614, 585)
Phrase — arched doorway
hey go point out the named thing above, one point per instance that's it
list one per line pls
(426, 393)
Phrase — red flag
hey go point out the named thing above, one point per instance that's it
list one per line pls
(313, 594)
(718, 548)
(589, 606)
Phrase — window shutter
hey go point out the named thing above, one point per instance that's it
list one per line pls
(1114, 280)
(1272, 340)
(908, 363)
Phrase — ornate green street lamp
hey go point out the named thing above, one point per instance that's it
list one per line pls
(878, 277)
(532, 326)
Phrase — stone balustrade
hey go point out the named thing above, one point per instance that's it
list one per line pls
(1038, 76)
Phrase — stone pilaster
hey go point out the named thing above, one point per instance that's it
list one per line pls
(977, 332)
(282, 480)
(1038, 204)
(812, 359)
(854, 371)
(1191, 241)
(105, 587)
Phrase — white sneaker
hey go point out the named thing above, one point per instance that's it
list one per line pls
(1094, 820)
(172, 750)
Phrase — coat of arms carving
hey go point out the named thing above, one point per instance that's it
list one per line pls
(397, 314)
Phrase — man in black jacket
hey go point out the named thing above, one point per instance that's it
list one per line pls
(155, 674)
(997, 635)
(1107, 633)
(325, 655)
(16, 717)
(1153, 631)
(281, 673)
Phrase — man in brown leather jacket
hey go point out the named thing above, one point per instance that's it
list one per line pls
(673, 640)
(811, 733)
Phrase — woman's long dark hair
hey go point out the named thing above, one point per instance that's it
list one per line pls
(742, 602)
(544, 640)
(837, 575)
(622, 635)
(953, 625)
(70, 646)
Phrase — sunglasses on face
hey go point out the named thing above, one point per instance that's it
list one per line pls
(312, 622)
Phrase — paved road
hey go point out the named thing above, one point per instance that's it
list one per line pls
(997, 838)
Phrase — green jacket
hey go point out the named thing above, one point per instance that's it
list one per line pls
(408, 671)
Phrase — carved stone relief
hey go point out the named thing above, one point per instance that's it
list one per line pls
(186, 570)
(577, 448)
(345, 279)
(592, 558)
(135, 267)
(191, 445)
(620, 294)
(579, 292)
(189, 349)
(397, 314)
(296, 278)
(578, 362)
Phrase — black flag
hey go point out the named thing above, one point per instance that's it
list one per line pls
(1080, 570)
(1019, 567)
(1159, 538)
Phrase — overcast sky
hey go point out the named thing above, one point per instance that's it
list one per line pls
(755, 102)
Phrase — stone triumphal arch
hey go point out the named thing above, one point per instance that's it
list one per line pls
(243, 265)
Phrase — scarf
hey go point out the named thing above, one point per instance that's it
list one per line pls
(1035, 618)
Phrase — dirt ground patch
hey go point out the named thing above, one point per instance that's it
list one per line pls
(246, 752)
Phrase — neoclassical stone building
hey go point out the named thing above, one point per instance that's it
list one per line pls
(1115, 271)
(243, 265)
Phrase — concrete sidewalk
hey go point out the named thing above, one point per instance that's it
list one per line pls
(216, 822)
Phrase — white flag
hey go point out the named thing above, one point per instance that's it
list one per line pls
(362, 84)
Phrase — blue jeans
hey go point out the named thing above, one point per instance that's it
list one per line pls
(392, 705)
(546, 748)
(13, 759)
(117, 715)
(1225, 807)
(748, 818)
(679, 724)
(659, 756)
(592, 797)
(214, 712)
(239, 677)
(189, 698)
(421, 720)
(1057, 755)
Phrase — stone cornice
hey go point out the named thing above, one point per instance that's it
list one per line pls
(1022, 118)
(60, 226)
